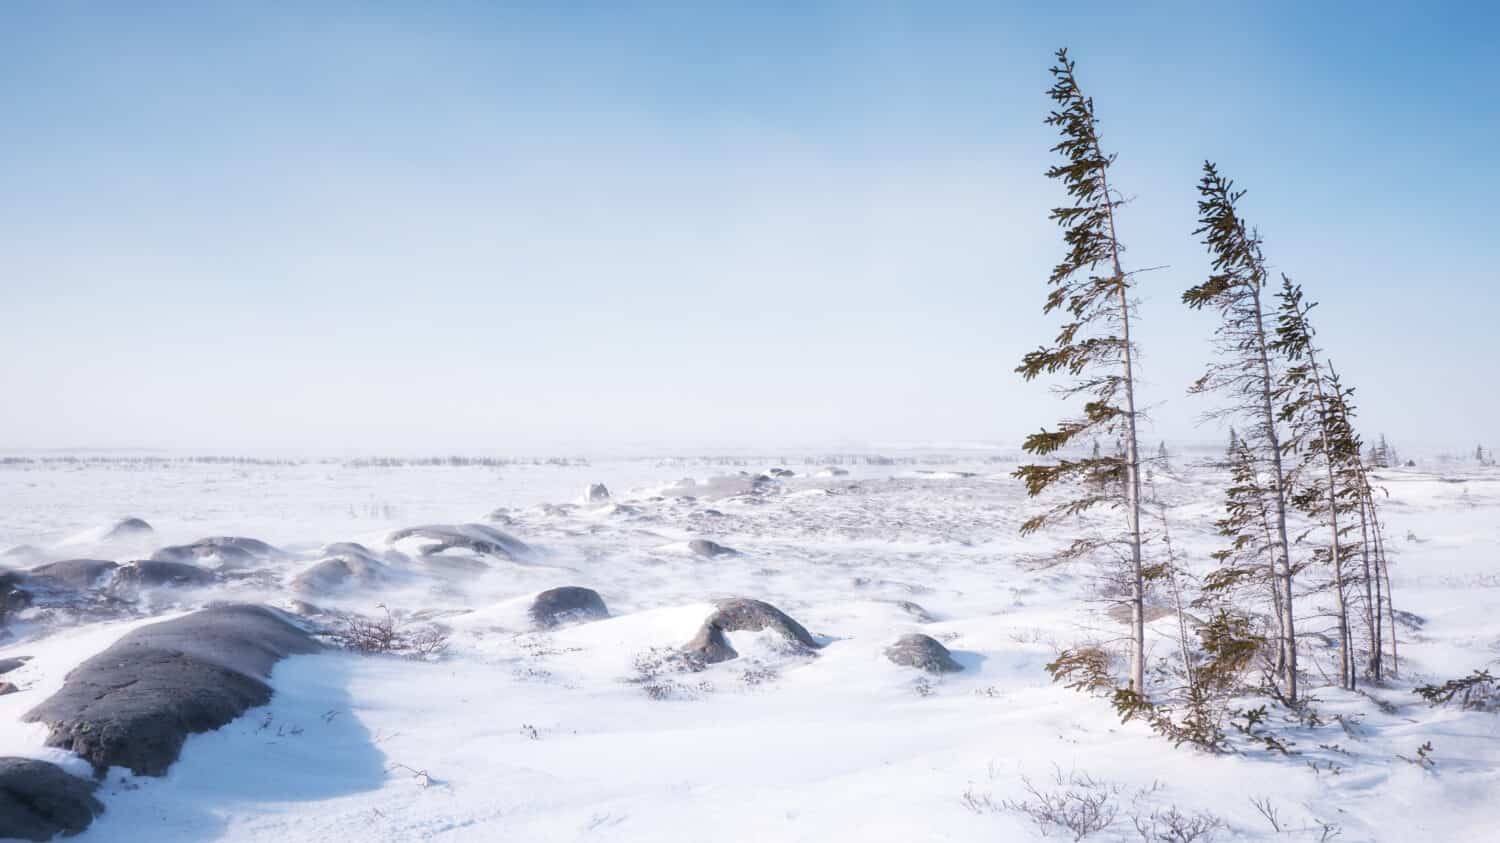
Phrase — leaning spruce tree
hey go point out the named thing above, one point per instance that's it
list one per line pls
(1094, 348)
(1244, 374)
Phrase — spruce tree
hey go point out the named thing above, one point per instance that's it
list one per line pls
(1244, 373)
(1311, 406)
(1091, 290)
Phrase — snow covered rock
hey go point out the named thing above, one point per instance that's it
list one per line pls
(597, 493)
(742, 614)
(922, 652)
(557, 606)
(224, 551)
(130, 528)
(38, 800)
(711, 549)
(73, 574)
(154, 573)
(475, 538)
(134, 704)
(710, 646)
(347, 565)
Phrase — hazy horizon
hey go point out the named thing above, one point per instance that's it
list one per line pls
(460, 228)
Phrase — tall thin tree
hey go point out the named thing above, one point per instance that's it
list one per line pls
(1310, 406)
(1245, 373)
(1093, 347)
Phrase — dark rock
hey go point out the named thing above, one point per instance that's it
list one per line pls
(128, 529)
(7, 665)
(154, 573)
(710, 646)
(477, 538)
(597, 493)
(710, 549)
(226, 551)
(14, 596)
(783, 472)
(922, 652)
(72, 574)
(38, 800)
(567, 604)
(7, 688)
(741, 614)
(134, 704)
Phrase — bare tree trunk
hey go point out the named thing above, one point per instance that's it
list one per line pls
(1284, 609)
(1273, 580)
(1132, 458)
(1133, 510)
(1346, 675)
(1372, 605)
(1385, 572)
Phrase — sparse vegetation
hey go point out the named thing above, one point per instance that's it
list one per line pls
(387, 634)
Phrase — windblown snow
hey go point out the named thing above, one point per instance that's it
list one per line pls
(598, 727)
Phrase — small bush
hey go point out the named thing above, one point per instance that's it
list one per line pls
(1169, 825)
(1077, 807)
(387, 633)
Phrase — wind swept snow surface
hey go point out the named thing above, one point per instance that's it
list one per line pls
(590, 718)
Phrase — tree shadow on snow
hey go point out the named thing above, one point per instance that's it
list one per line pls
(306, 745)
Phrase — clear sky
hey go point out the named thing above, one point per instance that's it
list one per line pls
(494, 226)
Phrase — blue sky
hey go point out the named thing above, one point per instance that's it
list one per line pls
(495, 226)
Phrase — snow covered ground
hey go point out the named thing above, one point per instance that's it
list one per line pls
(579, 733)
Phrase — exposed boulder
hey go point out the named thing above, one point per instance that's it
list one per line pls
(134, 704)
(347, 565)
(922, 652)
(130, 528)
(154, 573)
(223, 551)
(14, 596)
(71, 574)
(597, 493)
(711, 549)
(476, 538)
(742, 614)
(710, 646)
(39, 800)
(570, 603)
(7, 665)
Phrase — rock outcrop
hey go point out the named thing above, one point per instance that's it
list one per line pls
(922, 652)
(134, 704)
